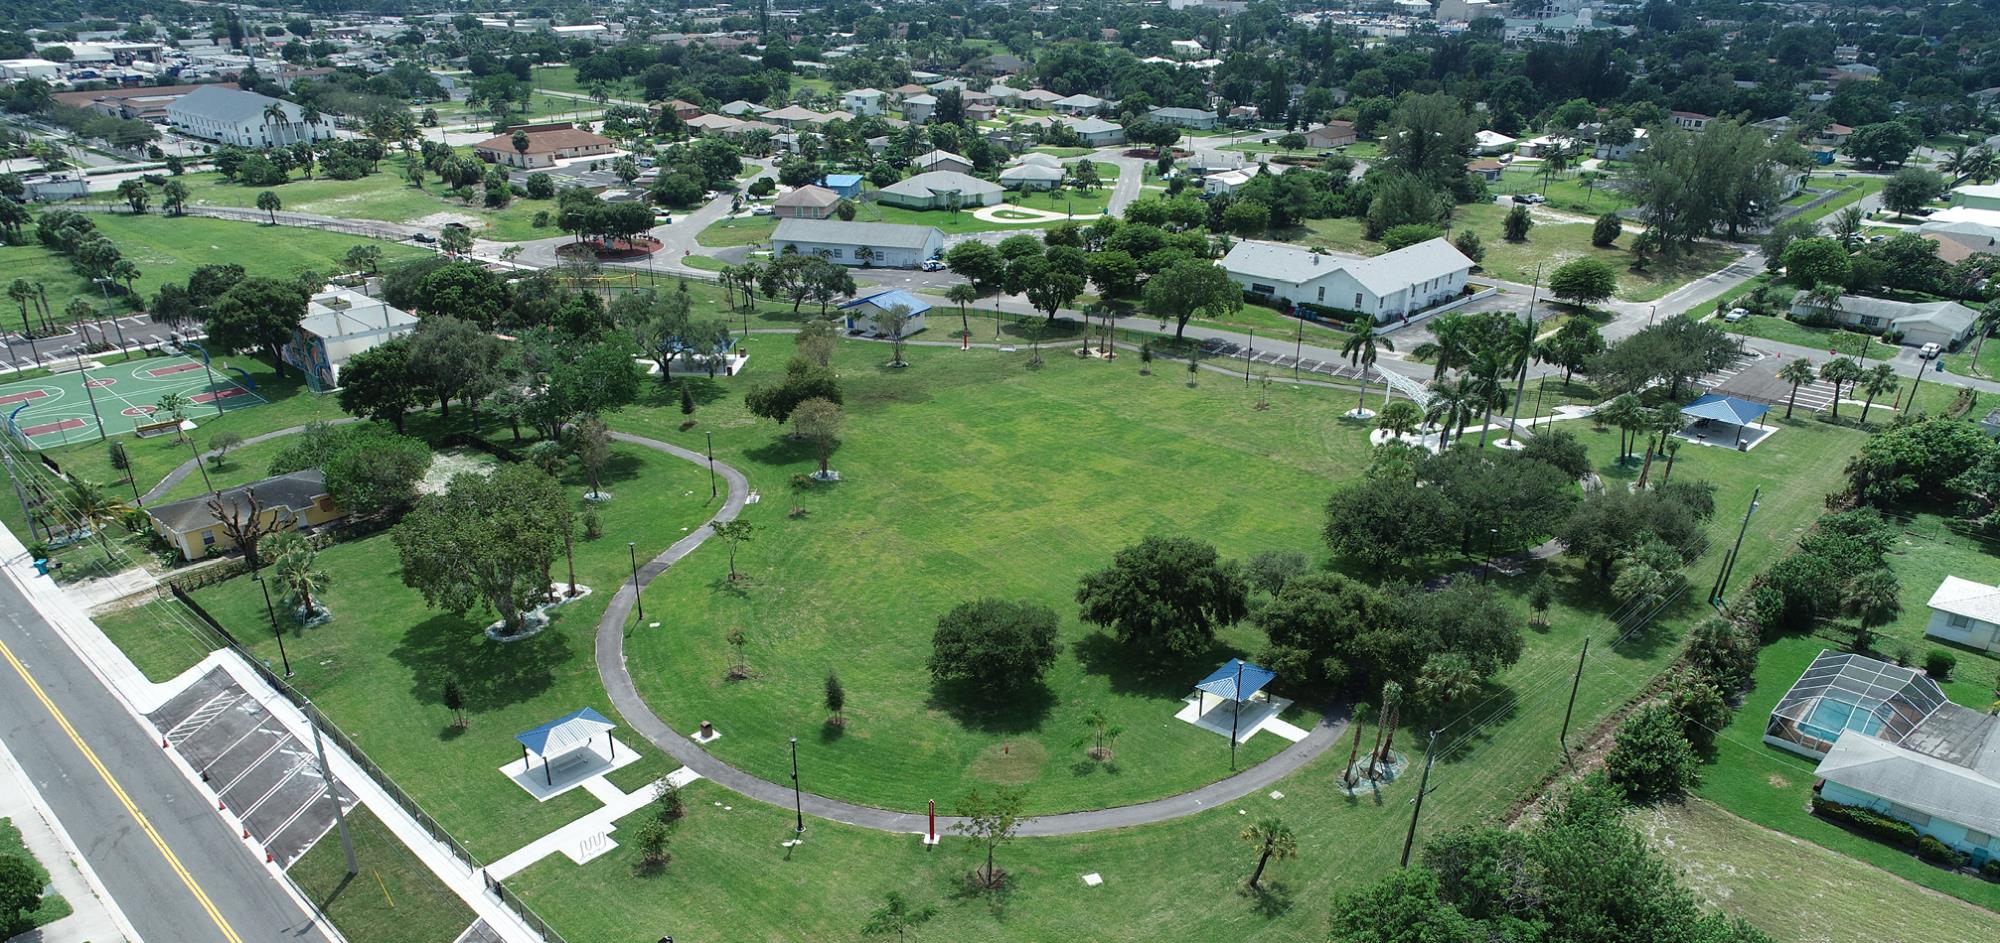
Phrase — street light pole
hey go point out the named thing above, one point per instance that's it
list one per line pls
(1729, 562)
(711, 465)
(632, 550)
(798, 803)
(273, 613)
(1247, 351)
(326, 776)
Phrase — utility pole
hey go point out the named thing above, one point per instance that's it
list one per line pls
(711, 466)
(90, 393)
(798, 803)
(1423, 786)
(1247, 351)
(326, 775)
(1729, 562)
(1575, 683)
(1298, 348)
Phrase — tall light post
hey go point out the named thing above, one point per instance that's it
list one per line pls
(632, 550)
(798, 803)
(1247, 351)
(711, 465)
(269, 610)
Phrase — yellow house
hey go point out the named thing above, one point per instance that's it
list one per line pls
(296, 500)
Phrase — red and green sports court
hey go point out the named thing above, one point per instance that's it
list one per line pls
(57, 410)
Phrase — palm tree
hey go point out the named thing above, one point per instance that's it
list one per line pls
(20, 292)
(1826, 297)
(1450, 404)
(963, 294)
(1847, 225)
(270, 204)
(1360, 348)
(275, 119)
(96, 507)
(1447, 349)
(175, 406)
(1273, 839)
(1673, 448)
(1877, 382)
(1661, 425)
(1493, 393)
(1874, 599)
(298, 571)
(1798, 373)
(1839, 371)
(1956, 162)
(1626, 413)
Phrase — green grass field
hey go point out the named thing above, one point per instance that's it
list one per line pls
(1853, 190)
(1785, 330)
(169, 249)
(1548, 245)
(395, 898)
(1797, 891)
(1565, 191)
(384, 195)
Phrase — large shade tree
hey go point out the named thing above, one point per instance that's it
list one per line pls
(488, 540)
(1169, 593)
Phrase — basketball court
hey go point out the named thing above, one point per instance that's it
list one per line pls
(57, 410)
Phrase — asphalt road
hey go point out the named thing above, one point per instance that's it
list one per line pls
(171, 864)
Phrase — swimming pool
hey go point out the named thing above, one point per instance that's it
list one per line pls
(1831, 716)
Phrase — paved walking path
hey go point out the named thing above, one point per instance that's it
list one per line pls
(617, 678)
(187, 468)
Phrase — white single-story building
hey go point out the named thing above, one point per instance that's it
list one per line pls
(339, 324)
(938, 190)
(1944, 323)
(1966, 612)
(1224, 182)
(1490, 142)
(1097, 132)
(1979, 196)
(889, 245)
(1385, 287)
(1195, 118)
(1027, 176)
(941, 160)
(1078, 104)
(859, 316)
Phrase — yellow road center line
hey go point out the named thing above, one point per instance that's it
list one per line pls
(173, 861)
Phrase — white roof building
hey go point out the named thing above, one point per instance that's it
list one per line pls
(1387, 286)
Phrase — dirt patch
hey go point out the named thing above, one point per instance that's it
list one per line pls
(1777, 781)
(440, 220)
(1010, 764)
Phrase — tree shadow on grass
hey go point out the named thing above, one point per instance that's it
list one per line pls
(1270, 899)
(1483, 715)
(490, 675)
(975, 707)
(1150, 673)
(781, 451)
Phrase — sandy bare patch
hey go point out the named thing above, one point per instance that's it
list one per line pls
(440, 220)
(451, 462)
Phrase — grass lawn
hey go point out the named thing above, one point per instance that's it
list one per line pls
(52, 906)
(703, 262)
(169, 249)
(1566, 191)
(541, 105)
(1797, 891)
(395, 899)
(1982, 360)
(1925, 552)
(734, 231)
(1548, 245)
(1064, 152)
(385, 195)
(1856, 188)
(379, 667)
(1787, 331)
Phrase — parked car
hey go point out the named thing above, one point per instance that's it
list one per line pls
(1736, 314)
(932, 265)
(423, 237)
(761, 211)
(1529, 198)
(1929, 350)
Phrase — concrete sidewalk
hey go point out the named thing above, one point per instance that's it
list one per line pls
(94, 915)
(141, 696)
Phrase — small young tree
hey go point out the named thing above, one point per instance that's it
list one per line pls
(590, 439)
(454, 701)
(175, 406)
(1541, 594)
(1273, 839)
(990, 819)
(1700, 707)
(122, 461)
(1514, 228)
(1103, 735)
(687, 399)
(895, 322)
(818, 422)
(734, 534)
(654, 835)
(897, 915)
(836, 699)
(1606, 230)
(270, 204)
(219, 445)
(296, 563)
(1146, 358)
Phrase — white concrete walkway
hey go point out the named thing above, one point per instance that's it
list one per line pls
(586, 838)
(141, 696)
(94, 915)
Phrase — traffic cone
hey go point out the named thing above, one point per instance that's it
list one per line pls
(267, 857)
(246, 831)
(164, 745)
(219, 806)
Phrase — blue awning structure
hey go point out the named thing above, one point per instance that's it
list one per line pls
(1236, 680)
(565, 733)
(1729, 409)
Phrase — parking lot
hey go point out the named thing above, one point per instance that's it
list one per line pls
(1755, 378)
(267, 778)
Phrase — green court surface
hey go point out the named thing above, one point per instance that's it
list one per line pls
(70, 407)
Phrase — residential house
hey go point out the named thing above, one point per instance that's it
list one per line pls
(1191, 118)
(712, 123)
(908, 89)
(1331, 135)
(1078, 105)
(684, 110)
(1097, 132)
(941, 160)
(1004, 96)
(1224, 182)
(892, 245)
(1386, 287)
(547, 143)
(1981, 196)
(740, 108)
(845, 186)
(1691, 120)
(1966, 612)
(1960, 241)
(1486, 168)
(1488, 142)
(940, 189)
(1888, 740)
(1039, 98)
(1833, 135)
(866, 102)
(793, 116)
(1605, 150)
(807, 202)
(244, 119)
(860, 315)
(296, 501)
(1027, 176)
(980, 111)
(917, 109)
(339, 324)
(1944, 323)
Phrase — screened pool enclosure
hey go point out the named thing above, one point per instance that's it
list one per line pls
(1841, 692)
